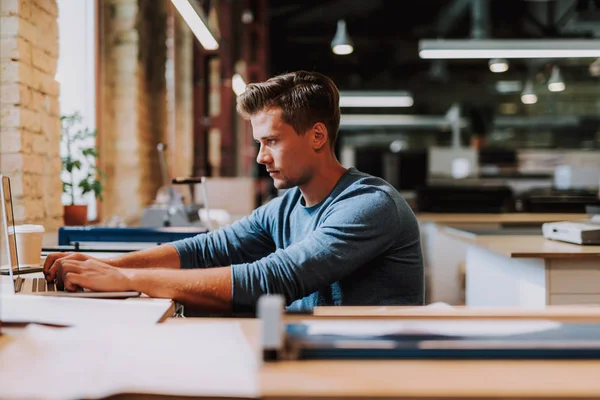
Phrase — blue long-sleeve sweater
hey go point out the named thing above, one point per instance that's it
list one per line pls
(359, 246)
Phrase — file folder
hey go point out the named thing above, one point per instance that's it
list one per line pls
(442, 340)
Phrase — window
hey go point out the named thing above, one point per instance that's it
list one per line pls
(76, 70)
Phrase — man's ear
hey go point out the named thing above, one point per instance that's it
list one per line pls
(321, 136)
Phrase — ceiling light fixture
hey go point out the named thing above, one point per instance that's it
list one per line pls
(341, 43)
(194, 17)
(508, 48)
(376, 99)
(498, 65)
(595, 68)
(238, 84)
(556, 83)
(411, 121)
(528, 96)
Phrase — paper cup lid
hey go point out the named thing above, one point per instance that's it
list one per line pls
(29, 228)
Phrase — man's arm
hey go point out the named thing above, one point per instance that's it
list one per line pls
(209, 289)
(164, 256)
(245, 240)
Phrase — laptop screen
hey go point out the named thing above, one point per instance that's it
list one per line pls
(8, 222)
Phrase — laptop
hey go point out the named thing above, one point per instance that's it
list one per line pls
(31, 285)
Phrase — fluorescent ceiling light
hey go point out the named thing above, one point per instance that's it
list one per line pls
(510, 48)
(383, 120)
(238, 84)
(375, 99)
(193, 15)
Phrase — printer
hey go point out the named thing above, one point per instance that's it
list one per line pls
(578, 232)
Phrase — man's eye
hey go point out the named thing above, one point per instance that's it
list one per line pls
(271, 141)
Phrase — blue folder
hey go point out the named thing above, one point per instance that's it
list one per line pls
(70, 235)
(564, 341)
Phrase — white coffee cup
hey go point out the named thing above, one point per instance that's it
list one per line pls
(29, 244)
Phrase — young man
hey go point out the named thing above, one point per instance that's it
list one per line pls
(337, 237)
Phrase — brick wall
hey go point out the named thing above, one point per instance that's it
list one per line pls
(184, 113)
(29, 109)
(153, 57)
(133, 105)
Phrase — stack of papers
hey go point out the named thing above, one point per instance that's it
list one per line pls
(192, 359)
(480, 328)
(80, 311)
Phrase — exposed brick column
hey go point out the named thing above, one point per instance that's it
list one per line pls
(133, 106)
(152, 104)
(184, 100)
(29, 109)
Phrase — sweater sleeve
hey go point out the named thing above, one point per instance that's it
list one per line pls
(243, 241)
(356, 229)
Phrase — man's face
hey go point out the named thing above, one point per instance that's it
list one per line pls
(288, 156)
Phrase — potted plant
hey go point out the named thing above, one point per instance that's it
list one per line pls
(80, 174)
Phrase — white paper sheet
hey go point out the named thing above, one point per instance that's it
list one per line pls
(71, 311)
(450, 327)
(191, 359)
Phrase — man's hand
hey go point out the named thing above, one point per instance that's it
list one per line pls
(92, 274)
(54, 261)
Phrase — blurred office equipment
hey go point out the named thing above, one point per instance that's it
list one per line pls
(369, 160)
(454, 163)
(228, 198)
(453, 185)
(465, 199)
(553, 200)
(411, 169)
(169, 208)
(578, 232)
(573, 232)
(576, 177)
(497, 161)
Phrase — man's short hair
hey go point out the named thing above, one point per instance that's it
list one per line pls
(305, 98)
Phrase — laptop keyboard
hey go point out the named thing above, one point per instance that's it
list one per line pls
(38, 285)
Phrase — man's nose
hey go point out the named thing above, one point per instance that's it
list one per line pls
(263, 156)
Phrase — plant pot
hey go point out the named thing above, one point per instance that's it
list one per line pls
(75, 215)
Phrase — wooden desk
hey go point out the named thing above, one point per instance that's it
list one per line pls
(428, 379)
(431, 379)
(445, 256)
(507, 218)
(419, 379)
(507, 270)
